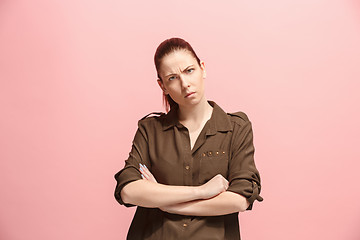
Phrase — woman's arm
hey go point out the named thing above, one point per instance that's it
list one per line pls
(225, 203)
(149, 193)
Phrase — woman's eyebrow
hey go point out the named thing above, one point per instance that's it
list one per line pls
(182, 70)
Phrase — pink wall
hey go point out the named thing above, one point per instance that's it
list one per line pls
(71, 70)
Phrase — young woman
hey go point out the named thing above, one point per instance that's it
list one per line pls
(190, 171)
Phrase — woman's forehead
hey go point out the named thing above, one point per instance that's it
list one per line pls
(177, 61)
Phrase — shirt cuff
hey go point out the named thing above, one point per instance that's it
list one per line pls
(255, 195)
(124, 177)
(249, 189)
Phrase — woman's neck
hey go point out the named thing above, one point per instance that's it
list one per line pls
(195, 113)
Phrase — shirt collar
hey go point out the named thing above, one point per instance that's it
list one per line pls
(218, 121)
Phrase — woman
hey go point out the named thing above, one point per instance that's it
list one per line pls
(192, 170)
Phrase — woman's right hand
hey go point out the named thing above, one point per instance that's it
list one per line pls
(213, 187)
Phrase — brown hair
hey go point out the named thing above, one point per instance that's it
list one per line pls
(166, 47)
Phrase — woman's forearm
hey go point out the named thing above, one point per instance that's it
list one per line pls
(150, 194)
(225, 203)
(147, 192)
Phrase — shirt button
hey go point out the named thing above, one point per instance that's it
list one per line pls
(204, 154)
(187, 167)
(185, 225)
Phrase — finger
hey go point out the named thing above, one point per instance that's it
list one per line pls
(147, 171)
(153, 178)
(142, 167)
(149, 174)
(143, 172)
(144, 177)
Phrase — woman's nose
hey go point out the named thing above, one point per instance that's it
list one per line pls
(184, 81)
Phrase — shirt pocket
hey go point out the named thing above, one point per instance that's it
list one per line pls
(211, 164)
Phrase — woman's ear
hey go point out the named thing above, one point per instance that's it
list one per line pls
(202, 65)
(161, 85)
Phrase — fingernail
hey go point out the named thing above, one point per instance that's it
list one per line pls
(142, 176)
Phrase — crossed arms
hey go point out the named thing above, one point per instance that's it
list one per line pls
(209, 199)
(215, 197)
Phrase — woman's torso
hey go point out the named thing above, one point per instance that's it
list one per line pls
(173, 161)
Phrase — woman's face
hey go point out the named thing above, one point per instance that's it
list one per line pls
(182, 77)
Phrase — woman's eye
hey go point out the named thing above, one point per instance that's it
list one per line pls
(190, 69)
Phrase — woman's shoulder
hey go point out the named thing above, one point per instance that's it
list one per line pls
(150, 119)
(239, 117)
(152, 115)
(241, 124)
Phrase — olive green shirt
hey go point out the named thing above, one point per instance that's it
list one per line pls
(162, 143)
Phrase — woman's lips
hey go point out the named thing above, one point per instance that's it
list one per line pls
(189, 94)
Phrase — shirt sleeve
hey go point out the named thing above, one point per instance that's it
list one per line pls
(138, 154)
(244, 178)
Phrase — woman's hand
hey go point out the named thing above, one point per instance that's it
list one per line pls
(210, 192)
(146, 174)
(214, 186)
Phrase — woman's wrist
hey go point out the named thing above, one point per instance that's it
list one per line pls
(199, 192)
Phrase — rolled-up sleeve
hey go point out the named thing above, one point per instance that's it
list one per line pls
(244, 178)
(130, 172)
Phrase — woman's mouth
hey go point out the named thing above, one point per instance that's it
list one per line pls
(189, 94)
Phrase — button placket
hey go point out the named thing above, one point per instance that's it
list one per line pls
(187, 159)
(186, 222)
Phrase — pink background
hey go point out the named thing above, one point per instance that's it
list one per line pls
(77, 75)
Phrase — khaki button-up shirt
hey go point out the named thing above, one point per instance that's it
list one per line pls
(162, 143)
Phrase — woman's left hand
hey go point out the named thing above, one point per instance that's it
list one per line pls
(146, 174)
